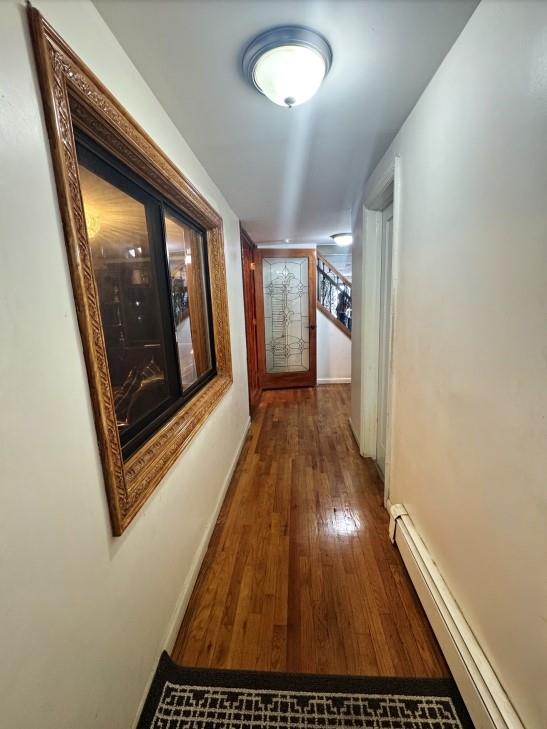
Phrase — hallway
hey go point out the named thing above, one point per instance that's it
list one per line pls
(277, 249)
(300, 574)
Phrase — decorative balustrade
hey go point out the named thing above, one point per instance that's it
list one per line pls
(334, 294)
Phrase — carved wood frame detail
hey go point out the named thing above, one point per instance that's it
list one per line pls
(73, 96)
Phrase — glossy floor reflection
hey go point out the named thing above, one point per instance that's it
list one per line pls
(300, 574)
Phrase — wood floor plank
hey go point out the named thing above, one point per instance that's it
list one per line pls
(300, 574)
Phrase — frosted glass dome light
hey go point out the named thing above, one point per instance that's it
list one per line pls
(342, 239)
(287, 64)
(289, 75)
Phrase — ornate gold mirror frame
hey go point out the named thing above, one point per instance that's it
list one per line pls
(74, 97)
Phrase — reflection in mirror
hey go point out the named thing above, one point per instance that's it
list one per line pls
(150, 268)
(189, 301)
(120, 247)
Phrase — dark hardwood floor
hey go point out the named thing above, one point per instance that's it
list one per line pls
(300, 574)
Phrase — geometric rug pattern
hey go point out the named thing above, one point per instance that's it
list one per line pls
(190, 698)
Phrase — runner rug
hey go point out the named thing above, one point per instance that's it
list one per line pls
(203, 698)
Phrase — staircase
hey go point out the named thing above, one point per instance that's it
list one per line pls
(333, 295)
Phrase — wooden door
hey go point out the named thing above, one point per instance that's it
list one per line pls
(385, 338)
(248, 264)
(286, 308)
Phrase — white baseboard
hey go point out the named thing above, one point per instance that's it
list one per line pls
(186, 591)
(184, 597)
(486, 700)
(333, 380)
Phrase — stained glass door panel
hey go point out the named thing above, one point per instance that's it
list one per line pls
(287, 317)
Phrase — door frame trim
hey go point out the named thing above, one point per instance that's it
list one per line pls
(249, 304)
(385, 255)
(386, 191)
(268, 381)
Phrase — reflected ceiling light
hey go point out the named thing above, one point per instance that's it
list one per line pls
(342, 239)
(92, 223)
(287, 64)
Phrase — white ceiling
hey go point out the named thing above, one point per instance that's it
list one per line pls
(340, 258)
(288, 173)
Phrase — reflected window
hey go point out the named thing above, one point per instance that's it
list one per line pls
(185, 248)
(151, 272)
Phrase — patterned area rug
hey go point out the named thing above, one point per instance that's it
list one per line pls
(201, 698)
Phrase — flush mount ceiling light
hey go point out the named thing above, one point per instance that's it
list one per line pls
(342, 239)
(287, 64)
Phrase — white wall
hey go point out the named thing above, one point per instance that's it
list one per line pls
(83, 616)
(333, 352)
(469, 456)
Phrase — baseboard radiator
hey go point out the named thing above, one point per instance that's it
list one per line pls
(484, 696)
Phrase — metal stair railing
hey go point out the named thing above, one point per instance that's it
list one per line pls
(334, 294)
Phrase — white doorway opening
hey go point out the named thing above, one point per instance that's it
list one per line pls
(384, 346)
(380, 256)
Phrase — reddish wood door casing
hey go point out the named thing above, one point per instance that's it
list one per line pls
(248, 249)
(270, 380)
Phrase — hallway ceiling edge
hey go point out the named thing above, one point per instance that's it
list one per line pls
(288, 173)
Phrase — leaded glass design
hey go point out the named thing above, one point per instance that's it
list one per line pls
(286, 314)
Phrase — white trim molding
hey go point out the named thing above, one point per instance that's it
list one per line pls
(372, 242)
(485, 698)
(385, 191)
(333, 380)
(186, 591)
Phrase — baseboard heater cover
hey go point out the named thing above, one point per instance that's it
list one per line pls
(486, 700)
